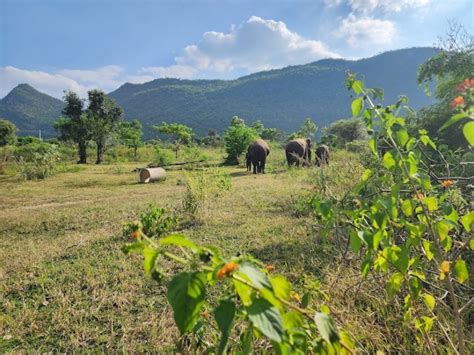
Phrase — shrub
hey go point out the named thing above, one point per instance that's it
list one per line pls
(37, 160)
(162, 157)
(155, 221)
(237, 138)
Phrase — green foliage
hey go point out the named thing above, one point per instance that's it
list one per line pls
(104, 117)
(131, 135)
(237, 138)
(75, 126)
(212, 139)
(342, 132)
(254, 303)
(179, 133)
(307, 130)
(162, 157)
(201, 187)
(7, 132)
(37, 160)
(404, 222)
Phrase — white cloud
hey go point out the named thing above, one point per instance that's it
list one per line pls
(254, 45)
(369, 6)
(365, 31)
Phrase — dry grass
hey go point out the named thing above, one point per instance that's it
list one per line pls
(65, 285)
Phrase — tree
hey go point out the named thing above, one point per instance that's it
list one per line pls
(237, 138)
(75, 125)
(212, 139)
(105, 118)
(131, 135)
(451, 66)
(179, 133)
(7, 132)
(307, 130)
(345, 131)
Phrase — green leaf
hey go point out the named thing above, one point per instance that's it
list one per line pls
(186, 293)
(356, 106)
(136, 247)
(430, 249)
(460, 271)
(293, 319)
(471, 244)
(431, 203)
(224, 315)
(468, 131)
(394, 284)
(467, 220)
(244, 291)
(424, 324)
(179, 240)
(442, 228)
(430, 301)
(357, 86)
(305, 300)
(356, 242)
(426, 140)
(373, 144)
(452, 121)
(149, 259)
(254, 275)
(401, 136)
(407, 208)
(326, 327)
(281, 287)
(266, 318)
(388, 160)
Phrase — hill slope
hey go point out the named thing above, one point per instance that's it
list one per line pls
(30, 110)
(279, 98)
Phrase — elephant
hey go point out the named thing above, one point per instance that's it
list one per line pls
(257, 153)
(298, 150)
(322, 155)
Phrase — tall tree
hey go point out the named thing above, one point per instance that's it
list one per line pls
(450, 67)
(105, 117)
(7, 132)
(131, 135)
(179, 133)
(74, 126)
(307, 130)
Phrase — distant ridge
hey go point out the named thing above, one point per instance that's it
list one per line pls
(280, 98)
(31, 110)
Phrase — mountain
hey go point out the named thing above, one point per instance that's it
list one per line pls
(279, 98)
(31, 110)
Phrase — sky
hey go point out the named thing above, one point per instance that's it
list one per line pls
(57, 45)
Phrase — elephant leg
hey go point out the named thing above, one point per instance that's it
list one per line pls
(255, 167)
(263, 166)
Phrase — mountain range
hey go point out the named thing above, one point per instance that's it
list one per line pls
(280, 98)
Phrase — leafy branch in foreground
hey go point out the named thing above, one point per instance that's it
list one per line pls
(417, 233)
(254, 304)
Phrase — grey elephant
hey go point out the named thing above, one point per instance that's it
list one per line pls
(257, 153)
(298, 151)
(322, 155)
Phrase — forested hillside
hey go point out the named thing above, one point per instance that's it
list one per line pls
(279, 98)
(30, 110)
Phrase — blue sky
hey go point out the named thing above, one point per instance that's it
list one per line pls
(82, 44)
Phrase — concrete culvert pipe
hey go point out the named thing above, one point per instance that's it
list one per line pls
(147, 175)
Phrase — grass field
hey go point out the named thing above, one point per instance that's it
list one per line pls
(65, 284)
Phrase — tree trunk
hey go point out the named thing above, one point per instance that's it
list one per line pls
(135, 153)
(82, 153)
(100, 152)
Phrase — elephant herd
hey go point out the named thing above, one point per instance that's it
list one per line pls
(298, 151)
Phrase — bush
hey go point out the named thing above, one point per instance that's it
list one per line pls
(237, 138)
(162, 157)
(37, 160)
(154, 222)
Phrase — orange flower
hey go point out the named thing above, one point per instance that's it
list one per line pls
(419, 197)
(269, 267)
(457, 101)
(447, 183)
(295, 296)
(205, 314)
(135, 234)
(444, 267)
(465, 85)
(227, 269)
